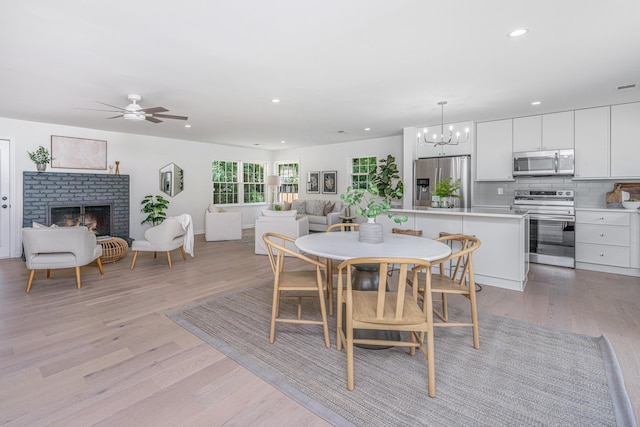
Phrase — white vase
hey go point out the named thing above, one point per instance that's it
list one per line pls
(370, 231)
(41, 167)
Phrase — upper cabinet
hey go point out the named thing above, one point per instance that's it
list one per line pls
(625, 140)
(431, 150)
(493, 150)
(592, 142)
(543, 132)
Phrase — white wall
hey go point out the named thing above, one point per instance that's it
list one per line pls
(337, 157)
(140, 157)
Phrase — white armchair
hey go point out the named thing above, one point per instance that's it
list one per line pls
(166, 237)
(63, 247)
(280, 222)
(222, 225)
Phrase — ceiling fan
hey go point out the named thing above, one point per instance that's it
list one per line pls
(135, 112)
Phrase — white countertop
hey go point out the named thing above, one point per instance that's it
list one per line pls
(487, 211)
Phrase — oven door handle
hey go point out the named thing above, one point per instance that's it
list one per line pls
(553, 217)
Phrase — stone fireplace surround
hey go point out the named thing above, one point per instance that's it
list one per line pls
(41, 190)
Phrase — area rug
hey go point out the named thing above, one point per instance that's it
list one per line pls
(522, 374)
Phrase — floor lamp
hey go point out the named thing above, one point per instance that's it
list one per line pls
(272, 187)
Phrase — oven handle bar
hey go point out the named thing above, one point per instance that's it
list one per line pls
(553, 217)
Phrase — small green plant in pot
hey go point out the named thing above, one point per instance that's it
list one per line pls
(40, 157)
(154, 207)
(445, 189)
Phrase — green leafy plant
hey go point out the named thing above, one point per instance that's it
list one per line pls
(384, 178)
(40, 156)
(154, 207)
(447, 187)
(277, 208)
(369, 204)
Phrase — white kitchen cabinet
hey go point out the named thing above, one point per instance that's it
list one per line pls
(592, 142)
(543, 132)
(625, 140)
(557, 131)
(494, 150)
(462, 148)
(527, 133)
(607, 240)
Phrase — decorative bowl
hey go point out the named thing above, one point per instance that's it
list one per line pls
(631, 204)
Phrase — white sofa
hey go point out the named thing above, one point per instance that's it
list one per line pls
(221, 224)
(321, 213)
(287, 223)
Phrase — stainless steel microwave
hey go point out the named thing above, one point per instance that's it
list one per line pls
(543, 163)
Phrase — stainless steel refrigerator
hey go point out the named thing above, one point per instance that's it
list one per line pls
(428, 171)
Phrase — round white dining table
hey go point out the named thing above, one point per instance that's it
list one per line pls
(345, 245)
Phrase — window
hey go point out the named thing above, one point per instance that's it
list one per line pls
(231, 187)
(361, 167)
(289, 174)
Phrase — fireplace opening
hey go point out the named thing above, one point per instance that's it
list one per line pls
(97, 218)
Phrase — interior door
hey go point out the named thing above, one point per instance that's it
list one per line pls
(5, 220)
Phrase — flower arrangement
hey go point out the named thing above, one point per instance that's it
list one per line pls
(40, 156)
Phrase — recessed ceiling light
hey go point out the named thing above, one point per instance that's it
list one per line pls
(283, 142)
(187, 126)
(518, 32)
(367, 129)
(275, 100)
(536, 103)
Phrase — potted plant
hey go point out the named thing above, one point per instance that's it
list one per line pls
(384, 177)
(154, 207)
(40, 157)
(445, 189)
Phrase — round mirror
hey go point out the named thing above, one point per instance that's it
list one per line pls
(171, 179)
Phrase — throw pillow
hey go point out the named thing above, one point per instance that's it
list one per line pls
(298, 206)
(281, 214)
(328, 208)
(315, 207)
(38, 225)
(286, 206)
(213, 208)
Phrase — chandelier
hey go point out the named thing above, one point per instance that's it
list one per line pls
(442, 140)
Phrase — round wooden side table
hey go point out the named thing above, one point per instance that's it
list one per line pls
(113, 249)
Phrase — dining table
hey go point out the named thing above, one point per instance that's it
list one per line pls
(346, 245)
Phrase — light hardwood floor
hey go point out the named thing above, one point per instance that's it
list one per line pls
(107, 354)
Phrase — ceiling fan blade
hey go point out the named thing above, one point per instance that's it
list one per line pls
(116, 117)
(154, 110)
(169, 116)
(97, 109)
(153, 119)
(112, 106)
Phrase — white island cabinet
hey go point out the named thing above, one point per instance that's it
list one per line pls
(503, 258)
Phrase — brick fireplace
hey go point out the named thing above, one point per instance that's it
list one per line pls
(99, 201)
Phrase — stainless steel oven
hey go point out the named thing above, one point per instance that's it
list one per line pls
(552, 225)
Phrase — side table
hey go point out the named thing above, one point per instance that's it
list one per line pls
(113, 249)
(347, 220)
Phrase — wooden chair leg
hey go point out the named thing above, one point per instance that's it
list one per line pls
(31, 273)
(99, 262)
(133, 263)
(169, 258)
(155, 255)
(330, 285)
(78, 277)
(48, 273)
(184, 254)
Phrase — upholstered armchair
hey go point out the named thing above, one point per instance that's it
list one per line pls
(166, 237)
(222, 224)
(62, 247)
(286, 223)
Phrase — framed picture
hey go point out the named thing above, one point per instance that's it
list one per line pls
(78, 153)
(329, 182)
(313, 182)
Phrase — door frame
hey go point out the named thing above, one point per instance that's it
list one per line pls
(13, 209)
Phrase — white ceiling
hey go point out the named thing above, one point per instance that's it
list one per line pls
(336, 65)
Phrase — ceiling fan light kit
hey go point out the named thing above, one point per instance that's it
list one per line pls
(136, 113)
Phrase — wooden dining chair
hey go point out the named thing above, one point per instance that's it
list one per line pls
(294, 284)
(332, 264)
(394, 308)
(455, 277)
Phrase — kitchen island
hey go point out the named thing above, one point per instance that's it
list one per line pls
(502, 260)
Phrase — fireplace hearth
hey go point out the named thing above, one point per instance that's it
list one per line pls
(98, 201)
